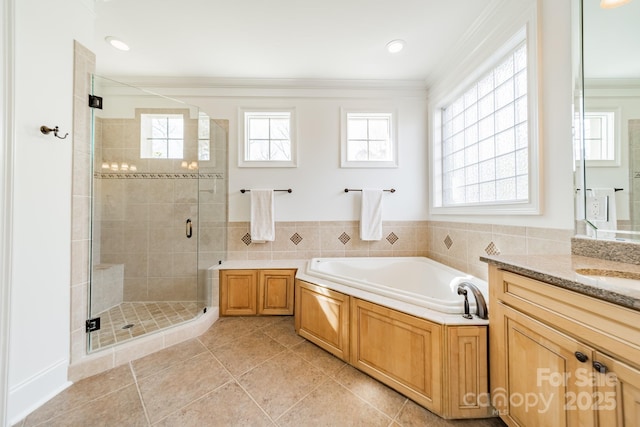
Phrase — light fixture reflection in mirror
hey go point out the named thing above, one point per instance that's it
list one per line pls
(610, 4)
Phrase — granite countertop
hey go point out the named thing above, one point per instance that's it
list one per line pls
(560, 270)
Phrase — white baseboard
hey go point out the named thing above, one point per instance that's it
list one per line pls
(32, 393)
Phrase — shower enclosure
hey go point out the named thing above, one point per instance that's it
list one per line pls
(159, 206)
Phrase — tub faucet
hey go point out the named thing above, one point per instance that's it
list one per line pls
(481, 304)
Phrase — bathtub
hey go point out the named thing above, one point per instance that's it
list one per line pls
(417, 285)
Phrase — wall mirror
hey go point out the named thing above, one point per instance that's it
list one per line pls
(608, 127)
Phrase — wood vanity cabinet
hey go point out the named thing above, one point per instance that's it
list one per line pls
(561, 358)
(256, 292)
(438, 366)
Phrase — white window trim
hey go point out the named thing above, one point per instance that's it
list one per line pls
(146, 146)
(242, 143)
(531, 207)
(617, 126)
(393, 133)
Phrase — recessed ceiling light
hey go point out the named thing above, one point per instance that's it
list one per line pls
(395, 46)
(117, 43)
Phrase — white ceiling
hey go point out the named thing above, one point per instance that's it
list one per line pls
(284, 39)
(611, 41)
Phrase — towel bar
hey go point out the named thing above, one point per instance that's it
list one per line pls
(615, 189)
(288, 190)
(391, 190)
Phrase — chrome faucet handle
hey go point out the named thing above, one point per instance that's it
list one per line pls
(481, 304)
(463, 291)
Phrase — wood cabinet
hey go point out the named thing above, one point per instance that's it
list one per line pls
(322, 317)
(238, 292)
(275, 291)
(256, 292)
(402, 351)
(561, 358)
(466, 372)
(443, 368)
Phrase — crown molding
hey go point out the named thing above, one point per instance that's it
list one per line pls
(197, 87)
(243, 83)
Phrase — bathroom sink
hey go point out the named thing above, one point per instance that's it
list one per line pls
(613, 277)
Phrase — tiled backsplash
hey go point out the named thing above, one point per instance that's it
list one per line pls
(455, 244)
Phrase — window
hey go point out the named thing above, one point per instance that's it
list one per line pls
(161, 136)
(485, 138)
(600, 138)
(485, 151)
(204, 137)
(268, 138)
(368, 139)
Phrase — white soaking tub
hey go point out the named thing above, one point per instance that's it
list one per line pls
(416, 281)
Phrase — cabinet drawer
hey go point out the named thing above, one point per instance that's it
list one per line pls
(600, 323)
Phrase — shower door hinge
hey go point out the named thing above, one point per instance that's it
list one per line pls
(95, 102)
(93, 324)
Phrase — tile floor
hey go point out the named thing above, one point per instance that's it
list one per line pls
(132, 319)
(242, 372)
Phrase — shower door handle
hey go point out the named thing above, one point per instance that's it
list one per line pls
(189, 230)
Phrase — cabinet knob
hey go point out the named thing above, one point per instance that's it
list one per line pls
(600, 367)
(581, 356)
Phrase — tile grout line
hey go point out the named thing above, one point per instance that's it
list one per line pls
(363, 400)
(404, 404)
(326, 379)
(235, 380)
(65, 413)
(135, 381)
(232, 380)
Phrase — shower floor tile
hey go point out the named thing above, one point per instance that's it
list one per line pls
(132, 319)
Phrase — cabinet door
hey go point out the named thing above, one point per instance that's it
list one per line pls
(466, 370)
(402, 351)
(275, 291)
(238, 290)
(544, 379)
(618, 393)
(322, 317)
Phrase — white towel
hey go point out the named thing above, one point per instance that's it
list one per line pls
(606, 218)
(262, 216)
(371, 215)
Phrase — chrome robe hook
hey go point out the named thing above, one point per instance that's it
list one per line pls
(47, 130)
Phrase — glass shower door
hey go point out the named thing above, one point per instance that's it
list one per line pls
(145, 214)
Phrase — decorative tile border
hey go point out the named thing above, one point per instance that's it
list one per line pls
(448, 242)
(492, 249)
(344, 238)
(295, 238)
(153, 175)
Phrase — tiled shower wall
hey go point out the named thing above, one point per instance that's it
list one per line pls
(458, 245)
(142, 214)
(84, 66)
(141, 217)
